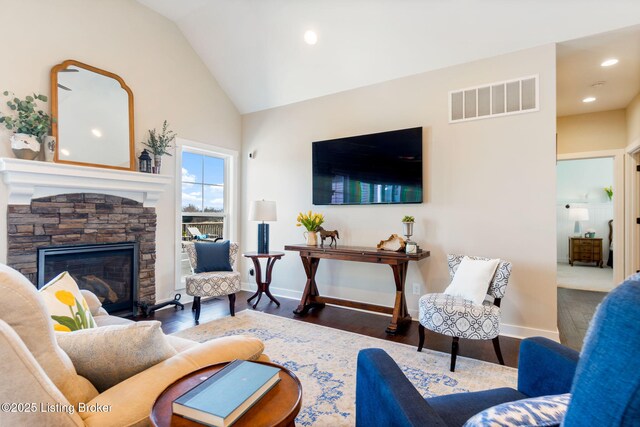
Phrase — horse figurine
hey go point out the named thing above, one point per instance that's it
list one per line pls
(324, 234)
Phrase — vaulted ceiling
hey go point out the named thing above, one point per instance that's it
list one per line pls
(255, 48)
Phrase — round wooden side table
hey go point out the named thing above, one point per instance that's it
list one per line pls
(263, 285)
(279, 407)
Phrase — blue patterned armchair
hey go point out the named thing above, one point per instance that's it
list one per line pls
(604, 380)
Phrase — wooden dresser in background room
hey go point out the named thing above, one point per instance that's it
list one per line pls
(584, 249)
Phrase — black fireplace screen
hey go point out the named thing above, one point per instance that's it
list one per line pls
(108, 270)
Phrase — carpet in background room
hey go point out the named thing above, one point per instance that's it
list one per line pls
(585, 277)
(324, 359)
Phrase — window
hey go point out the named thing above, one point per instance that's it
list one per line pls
(203, 195)
(206, 204)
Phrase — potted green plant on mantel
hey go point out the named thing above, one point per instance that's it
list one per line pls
(159, 142)
(29, 124)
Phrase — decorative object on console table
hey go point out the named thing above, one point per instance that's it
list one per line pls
(159, 142)
(394, 243)
(311, 221)
(398, 261)
(263, 210)
(407, 224)
(263, 285)
(583, 249)
(144, 162)
(28, 122)
(325, 234)
(577, 215)
(280, 406)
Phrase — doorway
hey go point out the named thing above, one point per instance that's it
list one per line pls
(581, 182)
(586, 220)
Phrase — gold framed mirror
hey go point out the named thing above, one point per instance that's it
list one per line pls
(92, 112)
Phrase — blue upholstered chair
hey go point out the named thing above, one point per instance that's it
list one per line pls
(604, 379)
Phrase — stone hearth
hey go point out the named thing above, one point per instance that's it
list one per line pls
(82, 218)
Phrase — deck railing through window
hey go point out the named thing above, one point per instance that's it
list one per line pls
(212, 228)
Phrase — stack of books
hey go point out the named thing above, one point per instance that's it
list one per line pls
(221, 399)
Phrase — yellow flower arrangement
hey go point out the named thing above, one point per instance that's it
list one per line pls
(311, 221)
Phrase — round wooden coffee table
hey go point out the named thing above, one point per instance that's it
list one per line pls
(279, 407)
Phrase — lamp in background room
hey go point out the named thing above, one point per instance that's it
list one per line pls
(263, 210)
(578, 214)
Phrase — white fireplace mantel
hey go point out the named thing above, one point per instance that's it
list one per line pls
(28, 179)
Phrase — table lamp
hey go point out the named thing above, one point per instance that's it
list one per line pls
(263, 210)
(578, 214)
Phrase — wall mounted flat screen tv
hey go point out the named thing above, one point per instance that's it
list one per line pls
(380, 168)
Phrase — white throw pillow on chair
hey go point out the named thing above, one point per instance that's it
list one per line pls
(472, 279)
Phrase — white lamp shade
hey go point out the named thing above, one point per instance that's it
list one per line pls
(262, 210)
(579, 214)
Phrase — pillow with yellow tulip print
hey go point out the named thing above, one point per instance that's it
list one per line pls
(67, 307)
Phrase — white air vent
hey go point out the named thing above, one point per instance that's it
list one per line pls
(494, 99)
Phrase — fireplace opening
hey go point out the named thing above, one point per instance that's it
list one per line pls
(108, 270)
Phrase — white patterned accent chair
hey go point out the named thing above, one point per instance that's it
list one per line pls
(212, 283)
(458, 318)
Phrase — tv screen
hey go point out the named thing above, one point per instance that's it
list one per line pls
(381, 168)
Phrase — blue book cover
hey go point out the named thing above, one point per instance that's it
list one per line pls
(226, 391)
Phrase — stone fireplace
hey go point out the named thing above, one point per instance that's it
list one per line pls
(63, 222)
(52, 205)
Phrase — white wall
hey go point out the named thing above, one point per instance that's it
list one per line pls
(581, 185)
(481, 179)
(149, 52)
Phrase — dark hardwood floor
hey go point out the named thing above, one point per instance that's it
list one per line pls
(369, 324)
(575, 310)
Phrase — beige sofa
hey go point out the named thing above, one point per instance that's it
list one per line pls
(40, 386)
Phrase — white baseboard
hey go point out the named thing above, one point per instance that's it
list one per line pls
(524, 332)
(505, 329)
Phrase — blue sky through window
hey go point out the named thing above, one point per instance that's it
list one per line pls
(202, 183)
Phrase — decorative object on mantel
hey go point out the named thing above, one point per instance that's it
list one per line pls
(609, 191)
(407, 224)
(393, 243)
(49, 147)
(159, 142)
(311, 221)
(263, 210)
(28, 122)
(325, 234)
(144, 162)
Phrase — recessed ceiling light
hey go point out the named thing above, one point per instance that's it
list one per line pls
(589, 99)
(310, 37)
(609, 62)
(96, 133)
(64, 152)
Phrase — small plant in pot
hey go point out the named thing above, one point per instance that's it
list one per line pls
(407, 223)
(28, 122)
(159, 142)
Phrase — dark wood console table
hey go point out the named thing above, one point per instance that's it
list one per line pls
(398, 261)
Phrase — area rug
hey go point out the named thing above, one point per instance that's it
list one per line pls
(324, 359)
